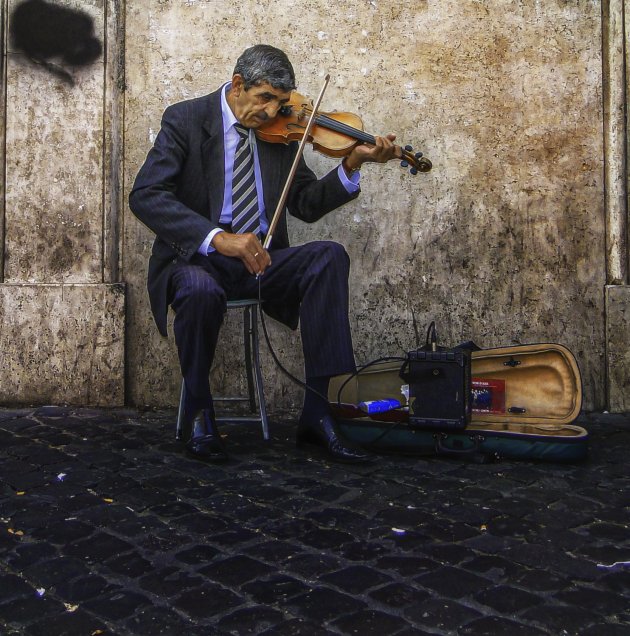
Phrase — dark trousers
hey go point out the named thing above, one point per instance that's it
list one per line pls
(313, 276)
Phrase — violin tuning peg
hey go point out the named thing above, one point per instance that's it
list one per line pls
(404, 164)
(413, 170)
(418, 155)
(408, 148)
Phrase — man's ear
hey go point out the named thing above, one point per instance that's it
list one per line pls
(238, 84)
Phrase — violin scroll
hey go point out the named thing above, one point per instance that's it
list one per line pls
(417, 161)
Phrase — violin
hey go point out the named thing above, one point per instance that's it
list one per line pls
(334, 134)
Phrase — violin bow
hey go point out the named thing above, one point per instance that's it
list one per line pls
(296, 161)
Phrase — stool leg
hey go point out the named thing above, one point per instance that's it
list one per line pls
(259, 383)
(248, 336)
(180, 411)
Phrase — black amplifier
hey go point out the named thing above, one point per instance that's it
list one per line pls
(439, 389)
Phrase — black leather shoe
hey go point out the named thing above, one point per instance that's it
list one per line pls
(324, 433)
(204, 442)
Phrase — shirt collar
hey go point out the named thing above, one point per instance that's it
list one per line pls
(229, 119)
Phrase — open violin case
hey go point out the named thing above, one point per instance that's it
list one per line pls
(523, 403)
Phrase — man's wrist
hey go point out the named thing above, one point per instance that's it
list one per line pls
(213, 234)
(349, 168)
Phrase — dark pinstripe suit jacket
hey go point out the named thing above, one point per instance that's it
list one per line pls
(178, 192)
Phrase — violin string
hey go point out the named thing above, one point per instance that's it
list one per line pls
(346, 129)
(340, 127)
(356, 133)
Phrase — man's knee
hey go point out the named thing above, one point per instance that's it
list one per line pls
(334, 253)
(199, 290)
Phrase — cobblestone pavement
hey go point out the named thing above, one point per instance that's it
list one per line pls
(105, 528)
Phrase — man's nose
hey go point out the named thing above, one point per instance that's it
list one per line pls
(271, 110)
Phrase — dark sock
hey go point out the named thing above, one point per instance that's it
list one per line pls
(193, 404)
(315, 404)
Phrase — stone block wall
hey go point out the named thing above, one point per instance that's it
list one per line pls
(62, 304)
(509, 239)
(503, 242)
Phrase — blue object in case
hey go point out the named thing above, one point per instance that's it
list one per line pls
(379, 406)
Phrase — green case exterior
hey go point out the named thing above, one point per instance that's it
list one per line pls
(570, 444)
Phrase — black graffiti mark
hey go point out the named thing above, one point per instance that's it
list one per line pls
(54, 36)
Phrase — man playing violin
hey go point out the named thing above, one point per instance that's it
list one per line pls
(208, 189)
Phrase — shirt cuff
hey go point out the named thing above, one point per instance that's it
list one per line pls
(206, 247)
(350, 183)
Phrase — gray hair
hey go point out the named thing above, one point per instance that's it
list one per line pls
(265, 64)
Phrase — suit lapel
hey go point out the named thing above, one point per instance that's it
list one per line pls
(212, 155)
(270, 174)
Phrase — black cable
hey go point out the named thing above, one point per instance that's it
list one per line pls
(388, 430)
(359, 370)
(362, 368)
(393, 425)
(275, 357)
(431, 341)
(299, 382)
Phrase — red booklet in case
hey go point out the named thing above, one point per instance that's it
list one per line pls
(488, 396)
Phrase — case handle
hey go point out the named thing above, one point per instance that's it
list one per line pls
(473, 453)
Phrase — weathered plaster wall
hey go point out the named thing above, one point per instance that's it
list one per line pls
(503, 242)
(54, 170)
(62, 327)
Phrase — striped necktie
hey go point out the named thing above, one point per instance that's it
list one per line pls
(245, 213)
